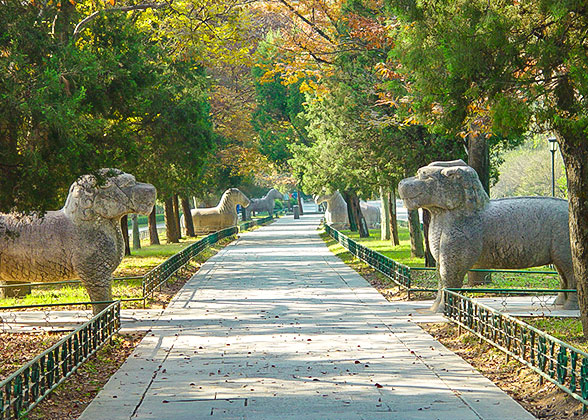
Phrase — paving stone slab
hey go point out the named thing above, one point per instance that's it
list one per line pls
(277, 328)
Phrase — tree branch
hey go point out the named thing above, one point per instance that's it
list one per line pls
(308, 22)
(144, 6)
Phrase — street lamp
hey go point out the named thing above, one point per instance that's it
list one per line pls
(552, 149)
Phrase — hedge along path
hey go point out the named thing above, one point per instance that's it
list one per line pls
(276, 327)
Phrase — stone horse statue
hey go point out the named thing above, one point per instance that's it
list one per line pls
(82, 240)
(468, 230)
(222, 216)
(264, 204)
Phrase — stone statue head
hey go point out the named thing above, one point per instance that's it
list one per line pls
(274, 194)
(444, 185)
(322, 197)
(110, 194)
(235, 196)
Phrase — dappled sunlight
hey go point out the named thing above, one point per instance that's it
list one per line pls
(276, 327)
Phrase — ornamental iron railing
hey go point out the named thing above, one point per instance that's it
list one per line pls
(425, 279)
(154, 278)
(553, 359)
(29, 385)
(398, 273)
(160, 274)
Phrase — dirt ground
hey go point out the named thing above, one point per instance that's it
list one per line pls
(69, 400)
(544, 401)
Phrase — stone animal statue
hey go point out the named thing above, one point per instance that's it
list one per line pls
(371, 214)
(82, 240)
(336, 212)
(468, 230)
(266, 203)
(222, 216)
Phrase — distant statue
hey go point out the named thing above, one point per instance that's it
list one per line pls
(266, 203)
(336, 212)
(371, 214)
(82, 240)
(468, 230)
(222, 216)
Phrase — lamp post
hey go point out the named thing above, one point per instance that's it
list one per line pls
(552, 149)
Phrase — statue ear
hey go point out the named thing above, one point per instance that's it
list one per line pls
(453, 172)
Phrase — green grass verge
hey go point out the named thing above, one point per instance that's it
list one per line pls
(399, 253)
(139, 263)
(568, 330)
(427, 279)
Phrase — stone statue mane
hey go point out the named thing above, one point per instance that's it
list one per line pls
(468, 230)
(222, 216)
(82, 240)
(336, 213)
(266, 203)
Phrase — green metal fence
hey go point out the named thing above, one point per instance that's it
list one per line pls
(29, 385)
(424, 279)
(554, 360)
(398, 273)
(160, 274)
(153, 279)
(255, 222)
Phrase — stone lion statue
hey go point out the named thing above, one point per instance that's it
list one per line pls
(468, 230)
(222, 216)
(82, 240)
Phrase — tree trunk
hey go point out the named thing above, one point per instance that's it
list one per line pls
(300, 201)
(350, 214)
(361, 223)
(393, 216)
(176, 207)
(153, 235)
(385, 223)
(124, 225)
(429, 260)
(416, 238)
(171, 226)
(136, 234)
(479, 159)
(574, 149)
(187, 216)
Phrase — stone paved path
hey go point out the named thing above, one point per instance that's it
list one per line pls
(276, 327)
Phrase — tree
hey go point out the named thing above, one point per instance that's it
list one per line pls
(523, 60)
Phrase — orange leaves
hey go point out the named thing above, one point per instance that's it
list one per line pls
(374, 32)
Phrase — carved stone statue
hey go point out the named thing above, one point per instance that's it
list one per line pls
(371, 214)
(468, 230)
(266, 203)
(336, 213)
(82, 240)
(222, 216)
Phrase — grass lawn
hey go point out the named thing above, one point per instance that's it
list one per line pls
(568, 330)
(427, 279)
(139, 263)
(399, 253)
